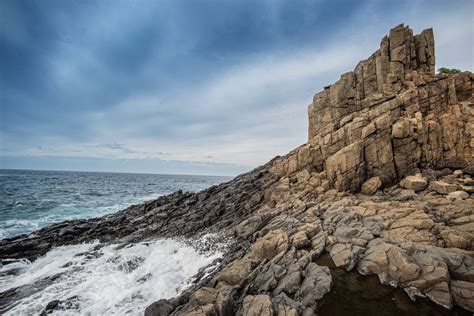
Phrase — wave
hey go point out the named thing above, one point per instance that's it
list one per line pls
(102, 279)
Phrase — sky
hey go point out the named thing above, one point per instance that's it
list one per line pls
(187, 87)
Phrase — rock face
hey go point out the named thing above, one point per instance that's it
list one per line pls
(389, 117)
(391, 129)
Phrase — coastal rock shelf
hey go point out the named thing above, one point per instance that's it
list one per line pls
(383, 187)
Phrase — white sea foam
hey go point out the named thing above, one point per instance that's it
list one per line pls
(106, 280)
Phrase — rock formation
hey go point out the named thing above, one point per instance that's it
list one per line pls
(383, 186)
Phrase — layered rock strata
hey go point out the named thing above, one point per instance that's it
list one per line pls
(391, 128)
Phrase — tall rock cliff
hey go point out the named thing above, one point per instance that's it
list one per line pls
(389, 117)
(383, 187)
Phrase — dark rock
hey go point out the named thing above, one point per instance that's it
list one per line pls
(453, 163)
(159, 308)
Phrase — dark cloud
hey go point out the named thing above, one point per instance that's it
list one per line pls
(227, 81)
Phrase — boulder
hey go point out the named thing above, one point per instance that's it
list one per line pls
(371, 186)
(414, 183)
(442, 187)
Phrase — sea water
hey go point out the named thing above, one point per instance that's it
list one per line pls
(30, 200)
(94, 278)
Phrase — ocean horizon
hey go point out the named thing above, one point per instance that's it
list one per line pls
(33, 199)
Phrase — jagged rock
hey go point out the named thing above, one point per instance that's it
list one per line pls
(414, 183)
(371, 186)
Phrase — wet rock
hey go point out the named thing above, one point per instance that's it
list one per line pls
(51, 307)
(161, 307)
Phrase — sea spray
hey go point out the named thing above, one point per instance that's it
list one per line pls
(103, 279)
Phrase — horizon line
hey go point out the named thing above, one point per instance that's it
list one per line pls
(122, 172)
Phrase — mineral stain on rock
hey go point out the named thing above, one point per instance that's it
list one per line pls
(383, 187)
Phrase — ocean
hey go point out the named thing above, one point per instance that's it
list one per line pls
(93, 278)
(30, 200)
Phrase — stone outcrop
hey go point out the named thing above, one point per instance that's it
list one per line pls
(383, 187)
(388, 118)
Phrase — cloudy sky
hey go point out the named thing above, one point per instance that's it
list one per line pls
(192, 87)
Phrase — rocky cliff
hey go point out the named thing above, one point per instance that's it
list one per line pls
(390, 117)
(383, 187)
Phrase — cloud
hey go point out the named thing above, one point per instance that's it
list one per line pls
(224, 84)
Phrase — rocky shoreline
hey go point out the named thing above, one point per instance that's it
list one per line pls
(384, 186)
